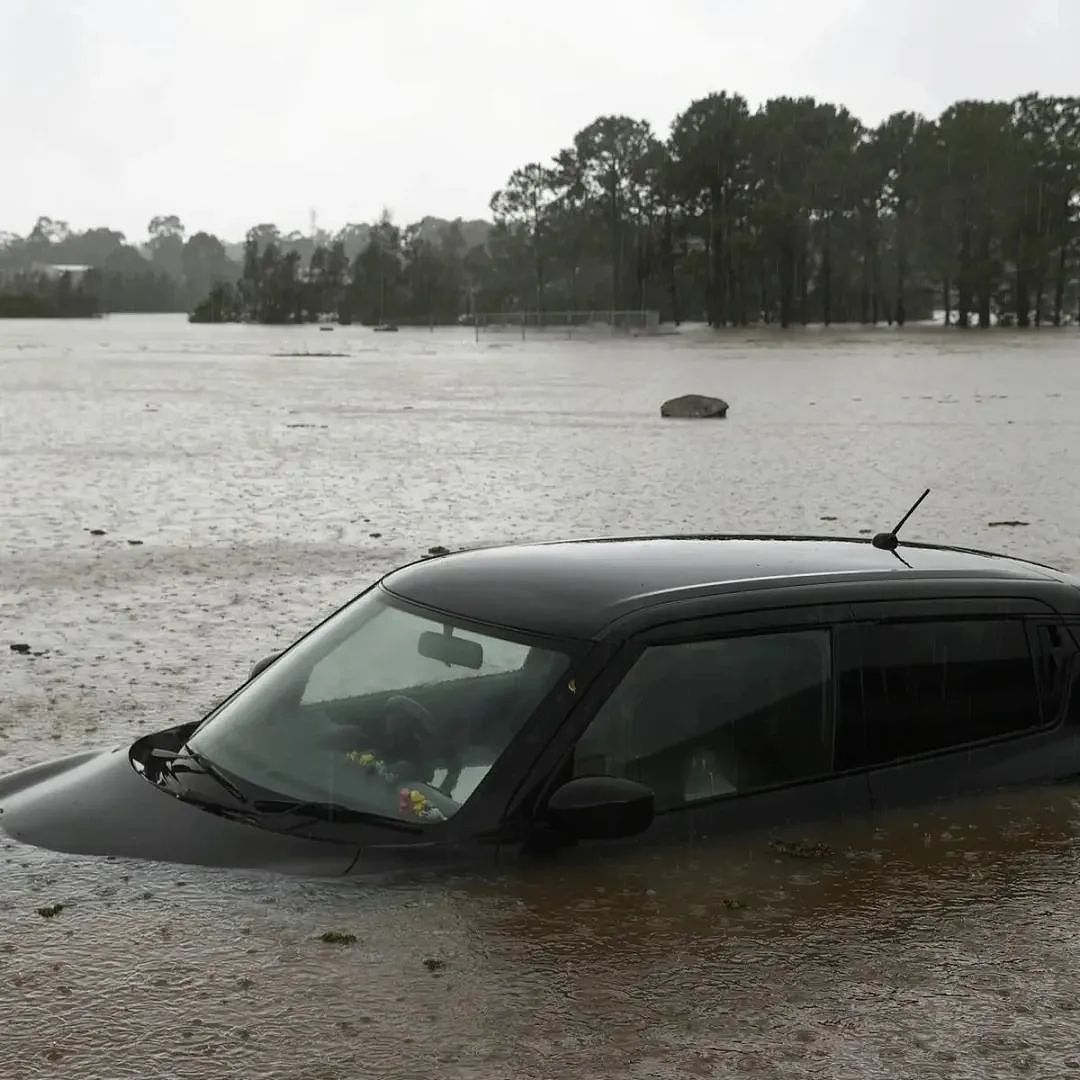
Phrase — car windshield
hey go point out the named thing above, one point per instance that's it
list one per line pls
(381, 711)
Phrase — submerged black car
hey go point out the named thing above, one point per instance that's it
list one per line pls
(604, 693)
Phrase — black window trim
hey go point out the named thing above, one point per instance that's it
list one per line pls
(1071, 627)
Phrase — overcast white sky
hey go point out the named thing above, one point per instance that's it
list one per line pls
(232, 112)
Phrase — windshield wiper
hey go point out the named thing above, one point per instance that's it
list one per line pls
(215, 773)
(230, 813)
(310, 810)
(332, 812)
(205, 768)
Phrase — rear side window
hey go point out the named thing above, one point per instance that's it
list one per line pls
(930, 685)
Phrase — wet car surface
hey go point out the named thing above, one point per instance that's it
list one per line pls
(523, 700)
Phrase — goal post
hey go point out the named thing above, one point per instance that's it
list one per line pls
(567, 323)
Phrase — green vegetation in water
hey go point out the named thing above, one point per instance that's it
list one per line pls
(337, 937)
(791, 212)
(35, 296)
(50, 911)
(56, 272)
(802, 849)
(794, 212)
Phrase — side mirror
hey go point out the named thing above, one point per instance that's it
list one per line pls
(601, 807)
(265, 662)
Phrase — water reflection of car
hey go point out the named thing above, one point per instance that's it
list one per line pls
(494, 703)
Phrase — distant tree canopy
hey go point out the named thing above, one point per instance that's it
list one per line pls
(793, 212)
(796, 212)
(40, 296)
(418, 275)
(117, 275)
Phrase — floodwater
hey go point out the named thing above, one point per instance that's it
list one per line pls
(265, 489)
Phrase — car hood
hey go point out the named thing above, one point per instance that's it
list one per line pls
(95, 803)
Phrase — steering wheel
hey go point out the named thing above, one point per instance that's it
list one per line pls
(406, 736)
(412, 734)
(408, 727)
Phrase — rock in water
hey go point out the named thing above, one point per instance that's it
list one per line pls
(695, 407)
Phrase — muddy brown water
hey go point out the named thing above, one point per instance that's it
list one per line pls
(940, 942)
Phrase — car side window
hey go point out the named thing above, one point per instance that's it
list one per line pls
(930, 685)
(705, 719)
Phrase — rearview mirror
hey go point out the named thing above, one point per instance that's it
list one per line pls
(599, 807)
(460, 652)
(265, 662)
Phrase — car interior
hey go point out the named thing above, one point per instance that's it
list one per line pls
(717, 718)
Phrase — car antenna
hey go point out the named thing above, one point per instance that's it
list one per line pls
(888, 541)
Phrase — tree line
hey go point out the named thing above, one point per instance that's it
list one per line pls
(797, 212)
(424, 273)
(793, 212)
(170, 272)
(414, 273)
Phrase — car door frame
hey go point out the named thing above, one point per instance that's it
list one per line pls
(1030, 755)
(819, 798)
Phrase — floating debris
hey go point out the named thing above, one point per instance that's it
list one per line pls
(1006, 524)
(336, 937)
(314, 354)
(96, 532)
(438, 549)
(20, 647)
(135, 543)
(802, 849)
(50, 911)
(432, 963)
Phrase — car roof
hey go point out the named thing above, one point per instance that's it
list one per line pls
(575, 588)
